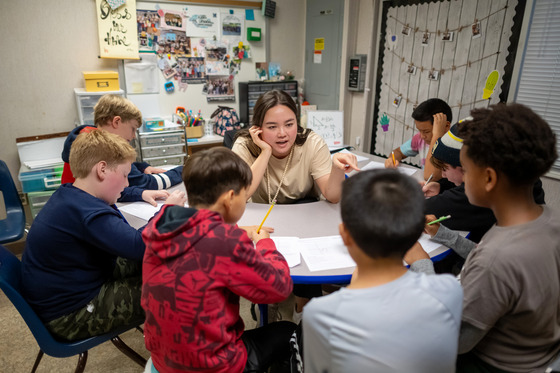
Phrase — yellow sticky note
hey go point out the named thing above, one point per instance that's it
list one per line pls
(491, 82)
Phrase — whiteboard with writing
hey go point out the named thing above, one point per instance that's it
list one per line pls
(117, 29)
(329, 124)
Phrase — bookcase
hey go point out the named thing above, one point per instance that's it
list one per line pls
(249, 93)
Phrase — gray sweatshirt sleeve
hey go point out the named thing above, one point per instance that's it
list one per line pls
(462, 246)
(423, 266)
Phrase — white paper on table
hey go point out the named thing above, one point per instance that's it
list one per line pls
(427, 244)
(289, 247)
(375, 165)
(324, 253)
(359, 158)
(142, 210)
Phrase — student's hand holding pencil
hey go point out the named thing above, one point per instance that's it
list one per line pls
(264, 232)
(431, 189)
(432, 228)
(392, 162)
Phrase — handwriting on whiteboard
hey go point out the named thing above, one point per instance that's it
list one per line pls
(329, 124)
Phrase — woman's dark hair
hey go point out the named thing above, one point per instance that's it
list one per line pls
(383, 210)
(266, 102)
(512, 139)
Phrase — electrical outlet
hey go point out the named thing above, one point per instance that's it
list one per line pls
(23, 198)
(358, 139)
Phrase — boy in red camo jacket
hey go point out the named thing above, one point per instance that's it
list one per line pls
(196, 266)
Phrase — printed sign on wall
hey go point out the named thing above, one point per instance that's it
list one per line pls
(117, 30)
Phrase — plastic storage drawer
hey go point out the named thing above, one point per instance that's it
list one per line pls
(40, 180)
(37, 200)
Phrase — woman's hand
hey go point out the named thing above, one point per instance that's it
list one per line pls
(346, 162)
(256, 136)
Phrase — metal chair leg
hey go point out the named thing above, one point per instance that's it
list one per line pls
(123, 347)
(37, 361)
(82, 360)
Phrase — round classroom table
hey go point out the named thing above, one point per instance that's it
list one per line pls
(315, 219)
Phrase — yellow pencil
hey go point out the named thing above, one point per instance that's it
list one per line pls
(393, 155)
(266, 216)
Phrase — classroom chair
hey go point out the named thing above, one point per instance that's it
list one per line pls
(229, 138)
(10, 283)
(12, 227)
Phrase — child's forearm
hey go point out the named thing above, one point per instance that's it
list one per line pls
(462, 246)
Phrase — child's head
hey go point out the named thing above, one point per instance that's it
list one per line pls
(510, 141)
(424, 113)
(383, 210)
(106, 154)
(211, 173)
(445, 155)
(117, 115)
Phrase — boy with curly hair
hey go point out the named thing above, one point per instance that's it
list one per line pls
(510, 280)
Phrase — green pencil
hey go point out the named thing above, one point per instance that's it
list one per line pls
(440, 219)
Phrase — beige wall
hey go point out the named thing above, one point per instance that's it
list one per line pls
(45, 48)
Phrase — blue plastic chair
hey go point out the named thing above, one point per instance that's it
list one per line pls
(10, 283)
(11, 228)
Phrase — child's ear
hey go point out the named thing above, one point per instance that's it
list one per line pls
(116, 122)
(491, 179)
(100, 170)
(346, 237)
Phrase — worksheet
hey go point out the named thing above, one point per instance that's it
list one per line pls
(289, 247)
(374, 165)
(324, 253)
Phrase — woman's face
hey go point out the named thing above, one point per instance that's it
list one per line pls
(279, 130)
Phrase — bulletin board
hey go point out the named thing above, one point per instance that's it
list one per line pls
(188, 37)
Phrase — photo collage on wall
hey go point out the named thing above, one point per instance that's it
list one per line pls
(197, 45)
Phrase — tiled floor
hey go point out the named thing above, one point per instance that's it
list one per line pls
(18, 348)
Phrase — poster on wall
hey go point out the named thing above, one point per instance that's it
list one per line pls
(117, 30)
(232, 25)
(202, 22)
(220, 88)
(148, 29)
(174, 42)
(192, 69)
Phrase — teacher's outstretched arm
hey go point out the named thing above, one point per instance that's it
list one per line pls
(331, 184)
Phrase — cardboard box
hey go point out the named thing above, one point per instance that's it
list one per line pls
(98, 81)
(194, 132)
